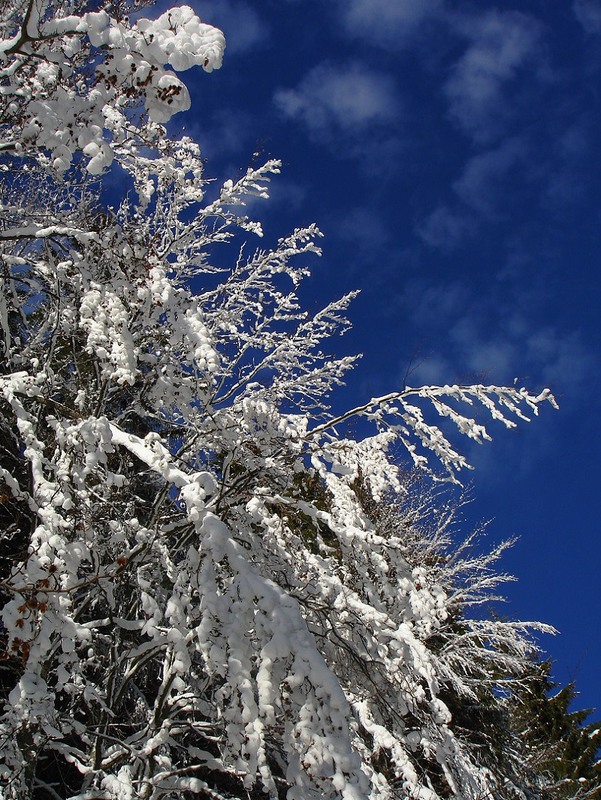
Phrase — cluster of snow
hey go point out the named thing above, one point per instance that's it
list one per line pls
(58, 111)
(207, 589)
(180, 39)
(105, 320)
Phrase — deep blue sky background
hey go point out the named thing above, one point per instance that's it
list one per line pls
(450, 153)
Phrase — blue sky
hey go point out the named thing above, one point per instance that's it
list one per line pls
(449, 152)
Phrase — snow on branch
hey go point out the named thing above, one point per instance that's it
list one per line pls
(71, 80)
(386, 410)
(209, 587)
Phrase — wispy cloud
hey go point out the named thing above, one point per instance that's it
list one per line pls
(445, 228)
(365, 229)
(386, 22)
(227, 136)
(479, 186)
(435, 303)
(568, 363)
(489, 337)
(485, 355)
(340, 102)
(588, 14)
(478, 194)
(243, 28)
(502, 45)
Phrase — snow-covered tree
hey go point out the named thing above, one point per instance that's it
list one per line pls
(201, 593)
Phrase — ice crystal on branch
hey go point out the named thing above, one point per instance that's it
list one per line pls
(202, 594)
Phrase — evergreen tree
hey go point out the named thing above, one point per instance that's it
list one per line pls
(563, 748)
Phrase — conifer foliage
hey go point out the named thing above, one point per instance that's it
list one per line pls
(562, 747)
(208, 588)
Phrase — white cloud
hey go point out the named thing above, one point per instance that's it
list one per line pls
(434, 305)
(226, 135)
(428, 369)
(488, 336)
(480, 192)
(288, 194)
(502, 45)
(365, 229)
(243, 28)
(568, 363)
(332, 100)
(445, 228)
(493, 355)
(588, 14)
(386, 22)
(479, 186)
